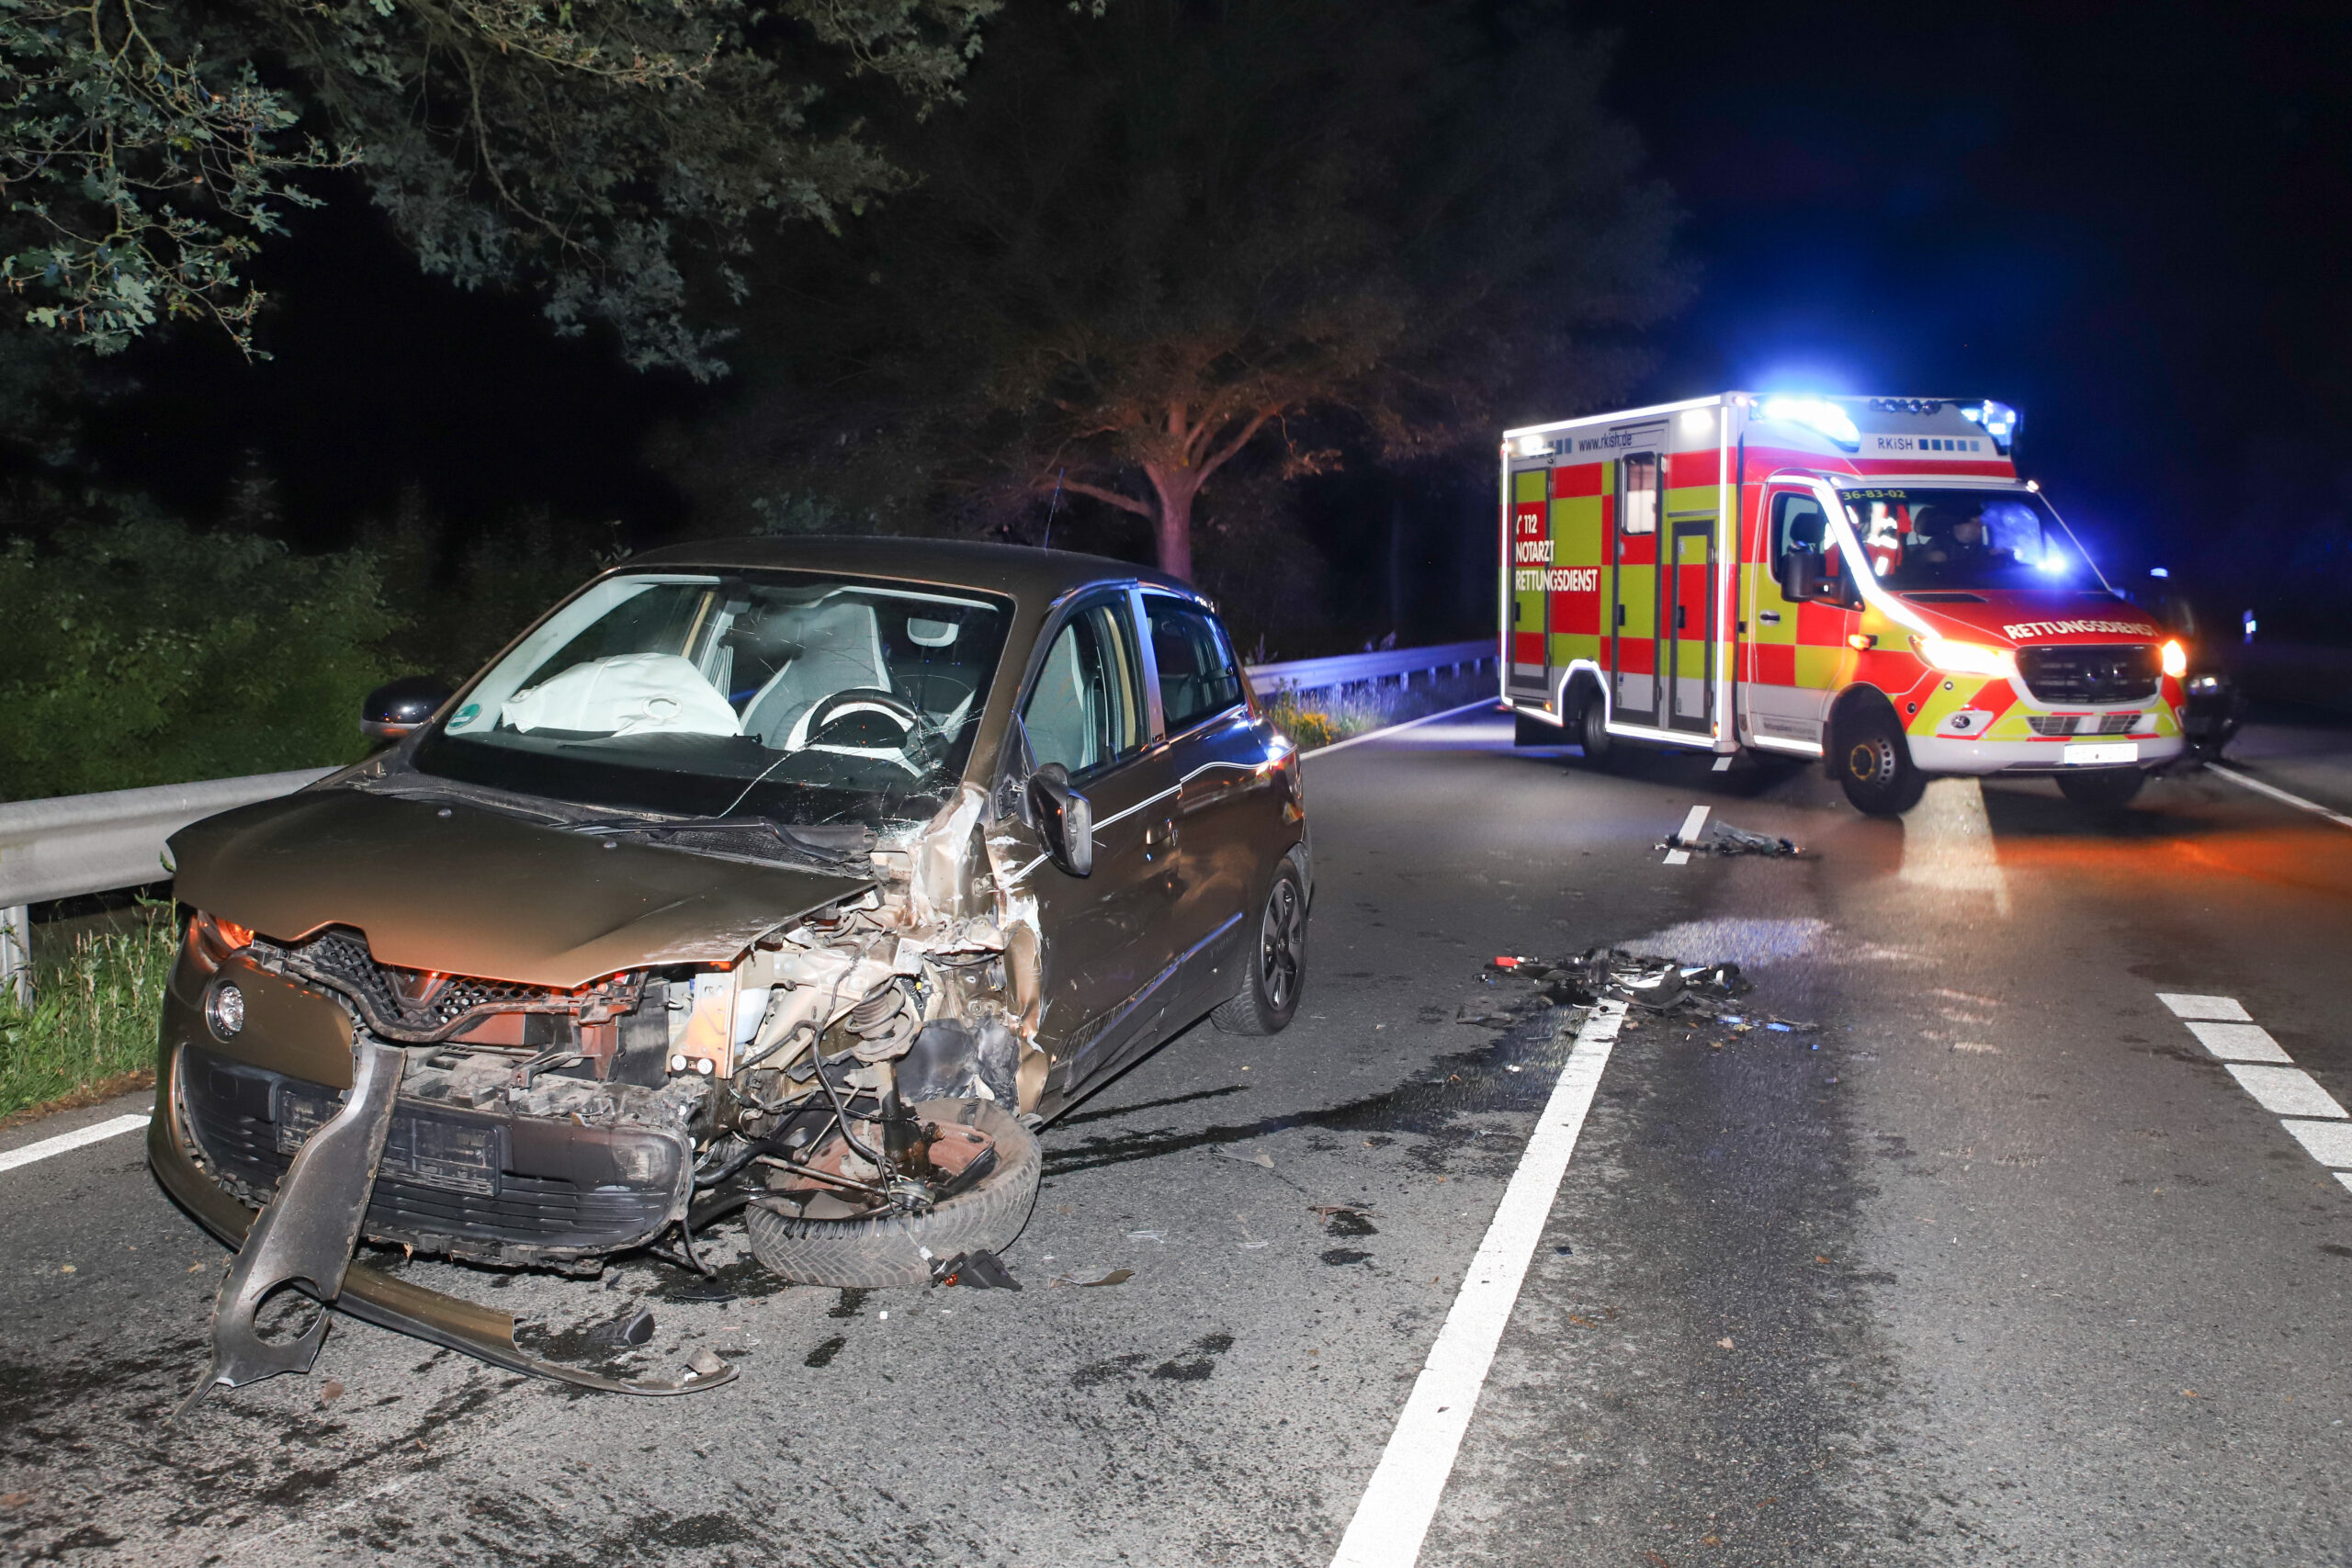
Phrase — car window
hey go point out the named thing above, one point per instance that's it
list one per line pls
(1197, 676)
(1086, 710)
(1798, 523)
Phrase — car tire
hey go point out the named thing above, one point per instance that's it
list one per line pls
(868, 1253)
(2102, 788)
(1873, 761)
(1274, 966)
(1592, 727)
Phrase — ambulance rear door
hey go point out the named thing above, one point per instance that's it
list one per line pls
(1529, 551)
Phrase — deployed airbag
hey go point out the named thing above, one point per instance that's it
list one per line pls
(630, 694)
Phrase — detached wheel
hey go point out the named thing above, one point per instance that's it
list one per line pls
(865, 1252)
(1275, 968)
(2101, 788)
(1872, 761)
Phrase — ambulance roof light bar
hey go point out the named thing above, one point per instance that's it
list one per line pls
(1999, 420)
(1819, 415)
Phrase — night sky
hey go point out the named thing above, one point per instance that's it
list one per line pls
(2130, 221)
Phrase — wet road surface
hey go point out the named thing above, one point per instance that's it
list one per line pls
(1999, 1262)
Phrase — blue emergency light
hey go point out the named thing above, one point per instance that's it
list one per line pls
(1999, 420)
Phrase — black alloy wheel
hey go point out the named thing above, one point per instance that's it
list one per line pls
(1592, 726)
(1274, 969)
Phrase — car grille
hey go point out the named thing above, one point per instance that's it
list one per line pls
(2075, 723)
(415, 1006)
(2101, 672)
(447, 1182)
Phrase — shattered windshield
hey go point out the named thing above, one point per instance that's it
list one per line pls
(1916, 537)
(787, 695)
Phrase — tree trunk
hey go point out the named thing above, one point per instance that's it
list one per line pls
(1172, 529)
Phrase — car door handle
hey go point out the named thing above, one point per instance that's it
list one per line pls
(1769, 618)
(1681, 617)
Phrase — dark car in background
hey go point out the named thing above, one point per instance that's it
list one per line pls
(804, 877)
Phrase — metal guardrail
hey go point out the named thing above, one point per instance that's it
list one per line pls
(1350, 668)
(74, 845)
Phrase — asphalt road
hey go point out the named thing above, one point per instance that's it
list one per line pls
(1996, 1263)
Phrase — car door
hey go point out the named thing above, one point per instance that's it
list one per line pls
(1107, 955)
(1229, 819)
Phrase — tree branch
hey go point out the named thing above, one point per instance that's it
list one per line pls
(1124, 503)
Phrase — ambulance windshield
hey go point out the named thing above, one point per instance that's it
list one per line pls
(1917, 537)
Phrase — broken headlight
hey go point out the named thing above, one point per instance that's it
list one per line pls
(212, 939)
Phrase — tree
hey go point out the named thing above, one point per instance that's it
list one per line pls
(617, 154)
(1194, 228)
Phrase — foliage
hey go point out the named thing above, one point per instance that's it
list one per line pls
(94, 1013)
(1314, 719)
(594, 149)
(144, 652)
(151, 172)
(461, 594)
(1189, 229)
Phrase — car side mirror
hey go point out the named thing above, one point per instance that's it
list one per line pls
(1065, 819)
(399, 708)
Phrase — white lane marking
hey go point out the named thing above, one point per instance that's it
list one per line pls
(2228, 1008)
(1689, 834)
(2330, 1142)
(1948, 843)
(2345, 1178)
(1393, 729)
(65, 1143)
(2238, 1042)
(2275, 793)
(1394, 1516)
(2286, 1091)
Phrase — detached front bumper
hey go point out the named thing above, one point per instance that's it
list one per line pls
(367, 1294)
(1950, 754)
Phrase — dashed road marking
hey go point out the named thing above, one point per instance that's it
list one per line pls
(1689, 835)
(1393, 1518)
(65, 1143)
(2330, 1142)
(1948, 843)
(2306, 1109)
(2285, 1092)
(2227, 1010)
(2238, 1042)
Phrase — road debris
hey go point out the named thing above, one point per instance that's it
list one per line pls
(1325, 1211)
(631, 1329)
(1159, 1237)
(1262, 1158)
(978, 1269)
(1110, 1277)
(1722, 839)
(703, 1364)
(330, 1391)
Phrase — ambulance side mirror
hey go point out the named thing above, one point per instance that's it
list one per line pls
(1807, 575)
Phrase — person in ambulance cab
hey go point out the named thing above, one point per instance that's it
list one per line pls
(1953, 540)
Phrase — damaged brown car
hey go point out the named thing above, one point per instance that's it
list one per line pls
(807, 879)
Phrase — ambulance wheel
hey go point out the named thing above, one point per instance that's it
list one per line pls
(1873, 761)
(2101, 788)
(1592, 727)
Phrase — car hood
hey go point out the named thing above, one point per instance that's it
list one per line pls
(464, 891)
(2014, 618)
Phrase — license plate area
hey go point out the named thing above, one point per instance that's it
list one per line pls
(2102, 756)
(453, 1154)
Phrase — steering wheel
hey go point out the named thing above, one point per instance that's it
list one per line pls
(863, 718)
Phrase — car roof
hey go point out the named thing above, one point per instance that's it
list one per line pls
(1032, 577)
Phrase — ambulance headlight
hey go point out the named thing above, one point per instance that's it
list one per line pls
(2175, 659)
(1964, 658)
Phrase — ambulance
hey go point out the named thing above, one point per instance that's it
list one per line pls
(1865, 580)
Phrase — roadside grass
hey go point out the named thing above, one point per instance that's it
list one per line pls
(1313, 719)
(92, 1025)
